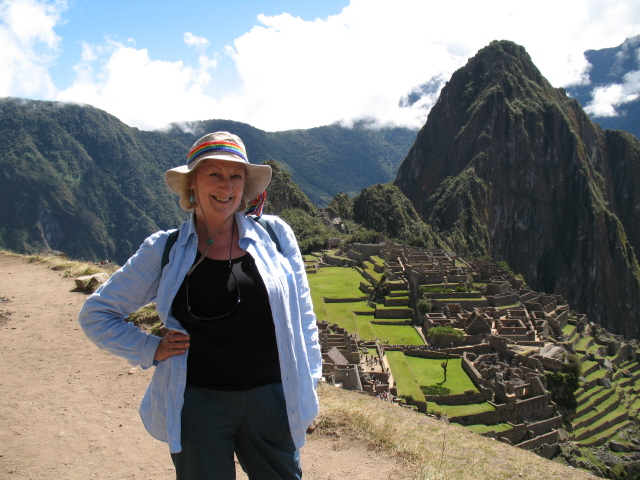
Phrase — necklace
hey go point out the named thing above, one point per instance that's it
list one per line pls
(210, 241)
(235, 305)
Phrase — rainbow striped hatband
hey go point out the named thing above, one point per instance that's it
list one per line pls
(209, 147)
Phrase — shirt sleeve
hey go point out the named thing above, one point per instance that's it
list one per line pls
(291, 251)
(131, 287)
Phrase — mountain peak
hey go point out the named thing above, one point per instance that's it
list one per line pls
(509, 166)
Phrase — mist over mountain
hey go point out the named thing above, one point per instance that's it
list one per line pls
(611, 96)
(76, 179)
(510, 167)
(322, 161)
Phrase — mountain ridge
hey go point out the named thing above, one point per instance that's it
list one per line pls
(510, 167)
(76, 179)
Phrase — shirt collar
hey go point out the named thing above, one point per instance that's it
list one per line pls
(247, 229)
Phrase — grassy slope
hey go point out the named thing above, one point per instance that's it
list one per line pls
(433, 449)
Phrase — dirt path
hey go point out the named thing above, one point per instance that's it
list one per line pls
(70, 411)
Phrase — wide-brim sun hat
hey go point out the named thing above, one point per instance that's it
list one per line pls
(219, 146)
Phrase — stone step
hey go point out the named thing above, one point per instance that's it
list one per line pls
(599, 427)
(602, 410)
(583, 396)
(603, 437)
(591, 369)
(595, 400)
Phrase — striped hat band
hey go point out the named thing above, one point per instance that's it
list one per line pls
(221, 146)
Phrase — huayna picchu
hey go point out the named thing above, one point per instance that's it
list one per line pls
(510, 167)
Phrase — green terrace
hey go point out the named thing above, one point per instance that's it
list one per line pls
(602, 412)
(414, 376)
(357, 316)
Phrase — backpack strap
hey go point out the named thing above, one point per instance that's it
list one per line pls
(270, 231)
(171, 239)
(173, 236)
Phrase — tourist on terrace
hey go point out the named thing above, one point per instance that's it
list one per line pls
(237, 370)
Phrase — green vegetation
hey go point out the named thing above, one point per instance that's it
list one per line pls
(479, 429)
(426, 289)
(394, 216)
(462, 410)
(428, 372)
(563, 384)
(406, 382)
(366, 236)
(424, 305)
(336, 283)
(311, 233)
(284, 194)
(443, 337)
(341, 206)
(396, 334)
(98, 184)
(504, 265)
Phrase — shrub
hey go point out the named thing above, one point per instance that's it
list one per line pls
(443, 337)
(424, 305)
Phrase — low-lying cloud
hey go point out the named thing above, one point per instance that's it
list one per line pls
(369, 61)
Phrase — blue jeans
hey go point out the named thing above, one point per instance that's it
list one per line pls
(252, 423)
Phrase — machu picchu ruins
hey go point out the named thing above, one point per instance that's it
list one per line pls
(524, 368)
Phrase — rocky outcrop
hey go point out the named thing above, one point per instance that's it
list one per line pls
(509, 166)
(283, 193)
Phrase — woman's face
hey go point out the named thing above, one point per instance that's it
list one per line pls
(218, 185)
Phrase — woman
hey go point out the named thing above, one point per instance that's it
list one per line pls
(238, 369)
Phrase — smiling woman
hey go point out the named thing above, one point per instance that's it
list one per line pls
(238, 368)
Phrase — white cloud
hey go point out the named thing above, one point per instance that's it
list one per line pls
(290, 73)
(362, 62)
(29, 46)
(200, 43)
(607, 98)
(138, 90)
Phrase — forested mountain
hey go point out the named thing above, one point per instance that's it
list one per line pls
(324, 160)
(76, 179)
(510, 167)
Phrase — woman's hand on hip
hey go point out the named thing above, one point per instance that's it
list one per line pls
(173, 343)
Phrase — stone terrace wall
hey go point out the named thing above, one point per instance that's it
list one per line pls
(549, 438)
(368, 249)
(429, 354)
(394, 313)
(514, 435)
(466, 304)
(457, 399)
(339, 261)
(550, 363)
(539, 428)
(357, 256)
(453, 294)
(502, 300)
(342, 300)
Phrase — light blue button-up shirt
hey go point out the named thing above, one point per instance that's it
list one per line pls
(140, 281)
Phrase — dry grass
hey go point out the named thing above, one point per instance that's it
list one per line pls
(69, 268)
(432, 449)
(147, 319)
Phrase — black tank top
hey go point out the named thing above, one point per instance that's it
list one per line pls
(236, 352)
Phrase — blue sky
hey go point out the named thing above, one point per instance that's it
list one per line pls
(160, 25)
(288, 64)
